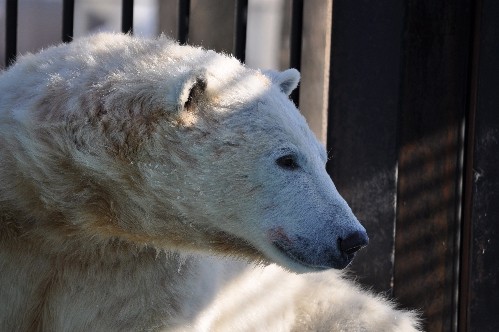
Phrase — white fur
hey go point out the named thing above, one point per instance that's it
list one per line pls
(130, 166)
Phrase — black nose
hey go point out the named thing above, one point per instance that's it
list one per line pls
(354, 242)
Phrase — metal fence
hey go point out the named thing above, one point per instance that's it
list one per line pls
(405, 94)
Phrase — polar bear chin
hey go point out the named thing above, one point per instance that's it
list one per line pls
(301, 258)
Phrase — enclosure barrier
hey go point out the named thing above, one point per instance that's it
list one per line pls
(412, 114)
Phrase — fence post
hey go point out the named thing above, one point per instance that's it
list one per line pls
(240, 25)
(296, 42)
(127, 16)
(10, 31)
(184, 7)
(315, 64)
(67, 20)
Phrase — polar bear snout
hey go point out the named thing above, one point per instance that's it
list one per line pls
(353, 242)
(319, 255)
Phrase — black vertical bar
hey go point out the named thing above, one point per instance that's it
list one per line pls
(10, 32)
(184, 7)
(467, 205)
(484, 234)
(240, 24)
(68, 7)
(296, 39)
(127, 16)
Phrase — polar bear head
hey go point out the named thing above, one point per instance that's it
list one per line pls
(174, 147)
(263, 176)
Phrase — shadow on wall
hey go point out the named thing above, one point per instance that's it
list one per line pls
(424, 246)
(426, 251)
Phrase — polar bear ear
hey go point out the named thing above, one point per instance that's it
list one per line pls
(286, 80)
(191, 90)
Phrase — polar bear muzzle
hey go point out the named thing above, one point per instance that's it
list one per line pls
(306, 252)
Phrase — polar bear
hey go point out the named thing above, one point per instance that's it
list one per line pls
(151, 186)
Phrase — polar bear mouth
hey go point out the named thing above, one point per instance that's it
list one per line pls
(311, 259)
(297, 254)
(298, 259)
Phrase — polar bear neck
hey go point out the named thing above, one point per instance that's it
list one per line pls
(153, 284)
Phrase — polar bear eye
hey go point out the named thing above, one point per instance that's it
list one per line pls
(287, 162)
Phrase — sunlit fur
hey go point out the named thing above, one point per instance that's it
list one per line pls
(131, 170)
